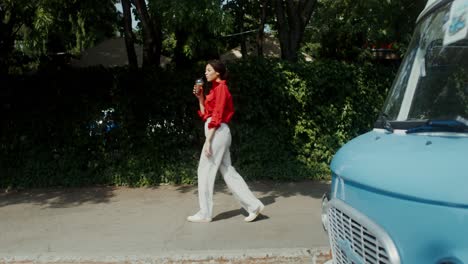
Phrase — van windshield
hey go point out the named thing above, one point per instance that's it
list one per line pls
(432, 82)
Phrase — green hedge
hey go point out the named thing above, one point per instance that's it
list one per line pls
(289, 121)
(293, 117)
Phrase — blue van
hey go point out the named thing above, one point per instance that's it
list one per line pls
(399, 193)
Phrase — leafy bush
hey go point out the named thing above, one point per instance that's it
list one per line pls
(299, 114)
(289, 121)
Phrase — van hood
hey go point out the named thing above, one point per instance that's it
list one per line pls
(427, 168)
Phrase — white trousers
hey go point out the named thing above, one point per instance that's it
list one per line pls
(221, 160)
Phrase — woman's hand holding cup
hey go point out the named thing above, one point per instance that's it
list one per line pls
(198, 88)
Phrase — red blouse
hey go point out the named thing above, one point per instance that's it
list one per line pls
(218, 105)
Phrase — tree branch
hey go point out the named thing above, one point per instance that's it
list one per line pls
(128, 33)
(307, 10)
(260, 33)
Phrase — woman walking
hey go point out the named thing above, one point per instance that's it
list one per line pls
(217, 110)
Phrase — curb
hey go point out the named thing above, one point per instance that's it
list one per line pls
(250, 256)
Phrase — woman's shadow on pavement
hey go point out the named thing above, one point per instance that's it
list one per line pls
(229, 214)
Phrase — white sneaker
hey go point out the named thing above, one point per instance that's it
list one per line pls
(198, 219)
(253, 216)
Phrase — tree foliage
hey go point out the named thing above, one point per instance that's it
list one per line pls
(249, 16)
(45, 27)
(14, 15)
(346, 29)
(188, 31)
(195, 26)
(290, 117)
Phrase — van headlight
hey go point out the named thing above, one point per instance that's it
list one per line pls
(325, 199)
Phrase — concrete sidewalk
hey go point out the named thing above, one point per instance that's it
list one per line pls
(148, 225)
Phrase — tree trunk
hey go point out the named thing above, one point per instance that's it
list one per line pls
(283, 30)
(260, 34)
(128, 33)
(243, 45)
(181, 37)
(239, 25)
(292, 18)
(152, 35)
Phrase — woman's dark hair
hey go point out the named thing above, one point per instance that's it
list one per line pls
(219, 67)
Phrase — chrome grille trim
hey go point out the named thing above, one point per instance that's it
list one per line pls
(355, 239)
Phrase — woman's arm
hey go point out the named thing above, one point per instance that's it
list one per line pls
(198, 92)
(208, 141)
(201, 102)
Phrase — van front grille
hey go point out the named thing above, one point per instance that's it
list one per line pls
(354, 239)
